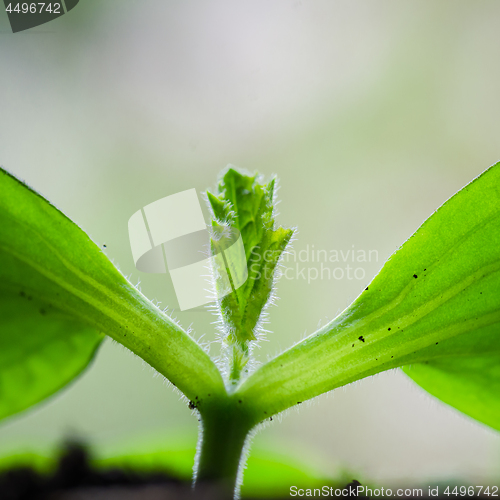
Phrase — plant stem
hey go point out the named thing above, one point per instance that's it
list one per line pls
(223, 434)
(238, 359)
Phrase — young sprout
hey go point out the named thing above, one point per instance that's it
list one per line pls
(433, 309)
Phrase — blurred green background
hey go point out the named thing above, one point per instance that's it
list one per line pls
(371, 113)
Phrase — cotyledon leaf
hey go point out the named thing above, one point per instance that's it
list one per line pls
(41, 350)
(470, 384)
(59, 294)
(435, 305)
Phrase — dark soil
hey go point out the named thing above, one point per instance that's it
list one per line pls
(75, 479)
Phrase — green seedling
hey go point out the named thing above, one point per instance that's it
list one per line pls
(433, 310)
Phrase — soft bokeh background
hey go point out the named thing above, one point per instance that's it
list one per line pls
(371, 113)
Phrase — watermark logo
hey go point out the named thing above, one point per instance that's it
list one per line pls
(171, 234)
(312, 264)
(26, 15)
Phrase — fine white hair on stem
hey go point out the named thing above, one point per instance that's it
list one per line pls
(243, 462)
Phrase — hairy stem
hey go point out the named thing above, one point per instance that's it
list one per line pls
(223, 433)
(239, 357)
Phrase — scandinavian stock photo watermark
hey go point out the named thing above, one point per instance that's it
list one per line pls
(171, 235)
(312, 263)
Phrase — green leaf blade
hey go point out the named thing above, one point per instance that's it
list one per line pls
(469, 384)
(36, 366)
(47, 257)
(436, 298)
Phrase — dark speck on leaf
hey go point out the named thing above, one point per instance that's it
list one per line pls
(389, 329)
(366, 288)
(425, 269)
(191, 405)
(437, 343)
(415, 276)
(299, 402)
(353, 345)
(239, 400)
(271, 418)
(392, 356)
(361, 338)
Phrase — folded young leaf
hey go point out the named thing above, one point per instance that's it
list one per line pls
(436, 301)
(244, 203)
(59, 293)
